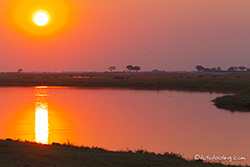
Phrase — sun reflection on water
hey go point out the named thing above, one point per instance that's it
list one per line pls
(41, 117)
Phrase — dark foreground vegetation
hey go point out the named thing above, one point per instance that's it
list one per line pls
(26, 154)
(237, 83)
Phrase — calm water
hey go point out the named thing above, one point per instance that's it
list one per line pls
(165, 121)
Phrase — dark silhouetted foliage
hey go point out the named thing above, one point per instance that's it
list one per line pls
(199, 68)
(20, 70)
(137, 68)
(112, 68)
(242, 68)
(130, 68)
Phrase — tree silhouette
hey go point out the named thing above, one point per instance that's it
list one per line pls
(213, 69)
(206, 70)
(130, 68)
(231, 68)
(199, 68)
(137, 68)
(20, 70)
(242, 68)
(111, 68)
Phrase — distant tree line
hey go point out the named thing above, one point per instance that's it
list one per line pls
(200, 68)
(133, 68)
(129, 67)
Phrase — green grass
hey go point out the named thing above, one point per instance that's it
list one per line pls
(26, 154)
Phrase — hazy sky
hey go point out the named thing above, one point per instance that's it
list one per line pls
(154, 34)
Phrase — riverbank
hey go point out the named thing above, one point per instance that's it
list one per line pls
(237, 83)
(26, 154)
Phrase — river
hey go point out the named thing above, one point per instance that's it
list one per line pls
(186, 123)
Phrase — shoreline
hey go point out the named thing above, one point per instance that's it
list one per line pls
(237, 83)
(18, 153)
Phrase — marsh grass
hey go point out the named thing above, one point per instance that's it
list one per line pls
(24, 154)
(239, 102)
(237, 83)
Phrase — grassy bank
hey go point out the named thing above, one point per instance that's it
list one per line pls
(238, 102)
(215, 82)
(25, 154)
(222, 82)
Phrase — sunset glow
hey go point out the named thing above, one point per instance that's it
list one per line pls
(40, 18)
(42, 128)
(41, 118)
(83, 77)
(151, 34)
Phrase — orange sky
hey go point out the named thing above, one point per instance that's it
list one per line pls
(92, 35)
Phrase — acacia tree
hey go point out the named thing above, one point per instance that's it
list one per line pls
(20, 70)
(111, 68)
(130, 68)
(213, 69)
(137, 68)
(231, 68)
(199, 68)
(242, 68)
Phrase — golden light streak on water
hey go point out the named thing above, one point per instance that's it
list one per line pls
(41, 117)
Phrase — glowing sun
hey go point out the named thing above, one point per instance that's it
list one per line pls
(41, 18)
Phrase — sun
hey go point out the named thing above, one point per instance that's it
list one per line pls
(41, 18)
